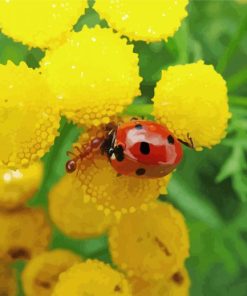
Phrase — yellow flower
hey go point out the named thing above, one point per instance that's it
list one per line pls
(157, 241)
(29, 118)
(40, 23)
(71, 215)
(92, 278)
(23, 234)
(149, 20)
(7, 281)
(117, 194)
(177, 285)
(94, 75)
(17, 186)
(42, 272)
(191, 100)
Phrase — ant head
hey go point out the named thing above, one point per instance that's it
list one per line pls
(71, 166)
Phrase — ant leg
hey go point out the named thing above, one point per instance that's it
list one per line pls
(69, 153)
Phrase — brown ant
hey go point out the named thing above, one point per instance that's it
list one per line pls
(105, 144)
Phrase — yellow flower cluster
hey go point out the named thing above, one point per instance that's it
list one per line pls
(92, 278)
(24, 233)
(191, 100)
(29, 117)
(7, 281)
(40, 23)
(73, 216)
(101, 75)
(162, 18)
(17, 186)
(42, 272)
(157, 240)
(90, 77)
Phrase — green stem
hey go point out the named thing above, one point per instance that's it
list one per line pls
(232, 46)
(237, 80)
(139, 110)
(238, 100)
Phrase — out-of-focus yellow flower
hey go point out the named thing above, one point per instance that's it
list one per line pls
(40, 23)
(149, 20)
(7, 281)
(17, 186)
(177, 285)
(117, 194)
(71, 214)
(23, 234)
(29, 117)
(42, 272)
(92, 278)
(94, 75)
(191, 100)
(157, 241)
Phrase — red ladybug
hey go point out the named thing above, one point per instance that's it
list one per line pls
(138, 148)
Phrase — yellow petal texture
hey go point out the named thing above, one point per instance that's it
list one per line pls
(191, 100)
(177, 285)
(39, 23)
(23, 234)
(17, 186)
(152, 244)
(7, 281)
(117, 194)
(42, 272)
(149, 20)
(29, 117)
(94, 75)
(92, 278)
(71, 214)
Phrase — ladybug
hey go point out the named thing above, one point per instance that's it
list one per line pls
(140, 148)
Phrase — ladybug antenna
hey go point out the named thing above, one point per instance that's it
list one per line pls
(71, 166)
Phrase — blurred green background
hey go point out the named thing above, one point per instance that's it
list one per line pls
(210, 187)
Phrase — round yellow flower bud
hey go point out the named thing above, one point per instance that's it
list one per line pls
(29, 118)
(7, 281)
(92, 278)
(191, 100)
(42, 272)
(94, 75)
(71, 214)
(17, 186)
(157, 241)
(117, 194)
(40, 23)
(149, 20)
(177, 285)
(23, 234)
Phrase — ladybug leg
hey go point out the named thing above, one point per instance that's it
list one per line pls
(134, 118)
(189, 144)
(191, 141)
(118, 175)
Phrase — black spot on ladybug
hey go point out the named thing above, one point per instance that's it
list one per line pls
(170, 139)
(140, 171)
(144, 148)
(138, 126)
(119, 153)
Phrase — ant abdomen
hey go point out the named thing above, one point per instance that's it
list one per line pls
(71, 166)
